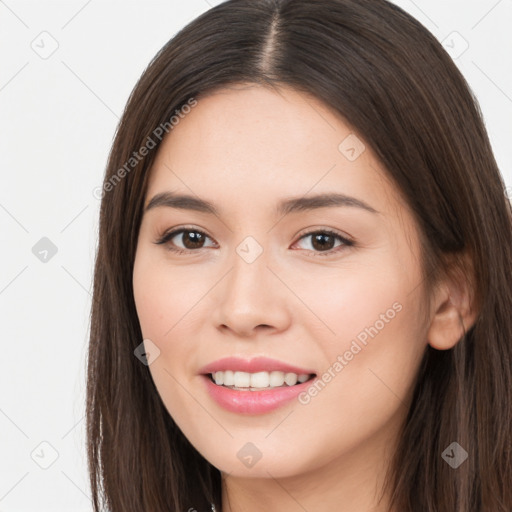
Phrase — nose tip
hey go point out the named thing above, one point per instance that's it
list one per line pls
(247, 301)
(248, 331)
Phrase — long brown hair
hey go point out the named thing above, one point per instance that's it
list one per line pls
(391, 80)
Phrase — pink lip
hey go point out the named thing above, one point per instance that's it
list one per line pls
(257, 364)
(253, 402)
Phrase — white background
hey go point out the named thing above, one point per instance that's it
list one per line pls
(58, 117)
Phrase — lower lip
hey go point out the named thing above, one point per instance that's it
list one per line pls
(253, 402)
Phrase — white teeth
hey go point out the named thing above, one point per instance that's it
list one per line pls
(276, 379)
(291, 379)
(260, 380)
(228, 379)
(257, 380)
(242, 380)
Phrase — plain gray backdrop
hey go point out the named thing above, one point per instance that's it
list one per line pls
(66, 70)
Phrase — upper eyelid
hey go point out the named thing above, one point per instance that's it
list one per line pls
(173, 232)
(168, 235)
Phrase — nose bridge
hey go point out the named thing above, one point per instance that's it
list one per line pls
(249, 275)
(250, 295)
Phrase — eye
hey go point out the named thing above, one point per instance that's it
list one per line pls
(322, 242)
(191, 239)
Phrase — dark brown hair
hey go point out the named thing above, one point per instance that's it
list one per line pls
(391, 80)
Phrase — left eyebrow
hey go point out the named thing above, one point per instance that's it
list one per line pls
(286, 206)
(306, 203)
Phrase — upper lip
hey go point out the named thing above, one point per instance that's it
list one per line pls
(257, 364)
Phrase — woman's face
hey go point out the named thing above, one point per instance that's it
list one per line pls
(257, 279)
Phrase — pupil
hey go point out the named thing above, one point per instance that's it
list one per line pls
(321, 236)
(195, 237)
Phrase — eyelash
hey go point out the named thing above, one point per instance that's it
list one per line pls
(166, 237)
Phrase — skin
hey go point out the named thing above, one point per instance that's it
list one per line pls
(244, 149)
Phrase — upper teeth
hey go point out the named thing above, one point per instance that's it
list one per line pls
(257, 380)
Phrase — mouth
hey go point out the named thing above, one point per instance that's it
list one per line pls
(259, 381)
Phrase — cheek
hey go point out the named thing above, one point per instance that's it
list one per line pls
(375, 337)
(164, 295)
(371, 364)
(162, 300)
(347, 300)
(168, 304)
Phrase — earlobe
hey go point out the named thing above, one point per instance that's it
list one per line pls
(455, 312)
(447, 327)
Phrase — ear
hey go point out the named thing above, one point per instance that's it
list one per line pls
(454, 311)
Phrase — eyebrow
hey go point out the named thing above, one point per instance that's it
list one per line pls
(286, 206)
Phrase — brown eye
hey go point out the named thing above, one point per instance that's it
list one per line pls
(323, 241)
(191, 239)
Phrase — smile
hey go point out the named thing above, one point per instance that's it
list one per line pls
(254, 400)
(256, 381)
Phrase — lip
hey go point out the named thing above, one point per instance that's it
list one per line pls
(257, 364)
(253, 402)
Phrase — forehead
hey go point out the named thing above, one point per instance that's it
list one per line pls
(250, 145)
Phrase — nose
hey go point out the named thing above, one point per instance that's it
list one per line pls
(251, 299)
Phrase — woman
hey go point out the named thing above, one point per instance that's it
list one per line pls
(303, 281)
